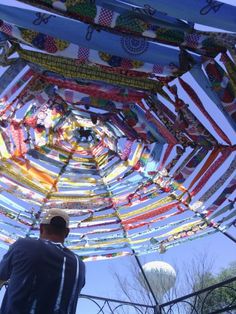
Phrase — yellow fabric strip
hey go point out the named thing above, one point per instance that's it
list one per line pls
(69, 68)
(3, 150)
(150, 207)
(182, 228)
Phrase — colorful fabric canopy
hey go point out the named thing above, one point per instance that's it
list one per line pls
(121, 114)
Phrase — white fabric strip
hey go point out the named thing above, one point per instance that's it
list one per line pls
(58, 302)
(75, 284)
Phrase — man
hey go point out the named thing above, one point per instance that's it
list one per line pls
(44, 276)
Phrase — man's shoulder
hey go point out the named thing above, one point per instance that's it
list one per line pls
(25, 242)
(79, 258)
(76, 256)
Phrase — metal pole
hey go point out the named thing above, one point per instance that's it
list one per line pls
(156, 309)
(226, 233)
(229, 236)
(217, 227)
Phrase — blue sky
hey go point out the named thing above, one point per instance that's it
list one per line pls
(99, 275)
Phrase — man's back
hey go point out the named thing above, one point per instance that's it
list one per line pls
(45, 278)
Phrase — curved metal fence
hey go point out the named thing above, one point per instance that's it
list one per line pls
(218, 298)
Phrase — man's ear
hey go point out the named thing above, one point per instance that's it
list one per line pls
(2, 282)
(67, 231)
(41, 229)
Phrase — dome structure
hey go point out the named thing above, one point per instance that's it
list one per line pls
(129, 128)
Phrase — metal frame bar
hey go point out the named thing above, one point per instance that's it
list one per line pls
(169, 307)
(156, 307)
(187, 296)
(228, 235)
(146, 280)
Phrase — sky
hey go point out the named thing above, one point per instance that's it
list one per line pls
(99, 278)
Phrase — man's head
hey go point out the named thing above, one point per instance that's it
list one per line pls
(54, 225)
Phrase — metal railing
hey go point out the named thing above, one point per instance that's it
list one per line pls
(113, 306)
(215, 299)
(218, 298)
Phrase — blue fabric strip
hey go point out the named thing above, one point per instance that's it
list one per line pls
(11, 73)
(85, 36)
(147, 13)
(207, 12)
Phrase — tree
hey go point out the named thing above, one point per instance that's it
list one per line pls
(220, 297)
(195, 275)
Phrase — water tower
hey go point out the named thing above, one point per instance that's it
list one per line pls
(161, 277)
